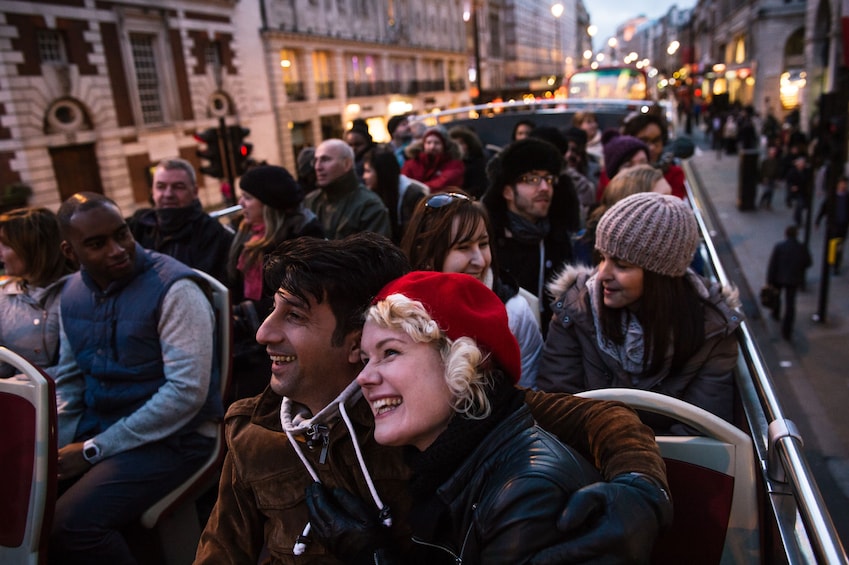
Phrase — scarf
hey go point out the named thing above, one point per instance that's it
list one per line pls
(252, 274)
(631, 352)
(525, 231)
(171, 221)
(435, 465)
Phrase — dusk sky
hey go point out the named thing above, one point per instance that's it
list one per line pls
(608, 14)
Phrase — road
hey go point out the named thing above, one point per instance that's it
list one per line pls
(809, 372)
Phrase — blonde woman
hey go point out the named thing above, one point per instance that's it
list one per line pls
(439, 368)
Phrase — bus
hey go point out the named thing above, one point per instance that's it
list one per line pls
(608, 83)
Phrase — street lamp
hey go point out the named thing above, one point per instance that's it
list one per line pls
(557, 11)
(471, 14)
(612, 43)
(591, 31)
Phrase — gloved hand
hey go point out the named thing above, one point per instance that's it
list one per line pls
(345, 525)
(611, 523)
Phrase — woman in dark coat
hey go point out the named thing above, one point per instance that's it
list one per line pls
(272, 212)
(642, 319)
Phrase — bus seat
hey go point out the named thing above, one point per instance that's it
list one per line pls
(27, 462)
(175, 516)
(712, 479)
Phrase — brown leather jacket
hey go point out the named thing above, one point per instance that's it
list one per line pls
(261, 493)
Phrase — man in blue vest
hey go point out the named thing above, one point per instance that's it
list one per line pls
(140, 331)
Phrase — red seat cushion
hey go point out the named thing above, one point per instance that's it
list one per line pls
(17, 459)
(701, 499)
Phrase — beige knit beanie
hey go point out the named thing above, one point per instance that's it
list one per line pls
(654, 231)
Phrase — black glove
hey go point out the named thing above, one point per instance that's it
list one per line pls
(611, 523)
(344, 525)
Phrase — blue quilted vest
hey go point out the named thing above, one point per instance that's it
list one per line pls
(115, 340)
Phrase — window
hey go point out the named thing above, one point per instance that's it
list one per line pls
(147, 83)
(51, 47)
(212, 54)
(291, 80)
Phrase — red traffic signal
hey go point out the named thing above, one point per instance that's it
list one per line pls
(241, 149)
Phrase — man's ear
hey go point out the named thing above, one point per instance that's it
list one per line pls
(68, 251)
(352, 342)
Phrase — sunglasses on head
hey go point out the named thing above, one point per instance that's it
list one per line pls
(444, 199)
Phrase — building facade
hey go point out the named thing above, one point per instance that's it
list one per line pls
(94, 94)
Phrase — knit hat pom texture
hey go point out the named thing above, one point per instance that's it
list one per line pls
(653, 231)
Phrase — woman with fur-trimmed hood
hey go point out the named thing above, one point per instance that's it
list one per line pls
(435, 161)
(642, 319)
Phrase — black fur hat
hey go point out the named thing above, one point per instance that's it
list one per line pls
(529, 154)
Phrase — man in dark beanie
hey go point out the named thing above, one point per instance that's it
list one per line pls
(399, 130)
(178, 226)
(530, 214)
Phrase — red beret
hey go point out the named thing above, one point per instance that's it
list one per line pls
(462, 306)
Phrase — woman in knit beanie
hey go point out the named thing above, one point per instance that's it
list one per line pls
(639, 178)
(620, 152)
(439, 370)
(642, 319)
(272, 212)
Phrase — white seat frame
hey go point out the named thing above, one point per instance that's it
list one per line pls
(723, 448)
(33, 385)
(177, 523)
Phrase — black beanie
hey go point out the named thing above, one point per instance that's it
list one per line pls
(529, 154)
(273, 186)
(577, 135)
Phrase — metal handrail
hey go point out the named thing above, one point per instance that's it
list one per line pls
(217, 214)
(819, 537)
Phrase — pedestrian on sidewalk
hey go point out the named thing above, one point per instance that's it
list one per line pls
(838, 223)
(770, 173)
(786, 271)
(798, 187)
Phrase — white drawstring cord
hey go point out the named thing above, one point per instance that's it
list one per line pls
(384, 510)
(301, 543)
(385, 516)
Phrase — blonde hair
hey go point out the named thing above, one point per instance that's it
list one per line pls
(462, 358)
(633, 180)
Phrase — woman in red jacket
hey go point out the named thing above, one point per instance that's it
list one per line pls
(436, 162)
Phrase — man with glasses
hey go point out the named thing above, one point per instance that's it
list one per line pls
(530, 218)
(343, 205)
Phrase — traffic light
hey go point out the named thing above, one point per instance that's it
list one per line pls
(212, 153)
(241, 149)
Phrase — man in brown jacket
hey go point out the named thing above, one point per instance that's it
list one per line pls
(311, 421)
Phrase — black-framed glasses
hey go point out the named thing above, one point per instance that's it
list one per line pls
(444, 199)
(535, 180)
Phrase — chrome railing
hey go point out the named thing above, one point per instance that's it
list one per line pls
(804, 524)
(224, 212)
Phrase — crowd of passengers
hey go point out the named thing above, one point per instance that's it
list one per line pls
(411, 321)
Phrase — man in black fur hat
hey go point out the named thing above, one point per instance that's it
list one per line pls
(531, 215)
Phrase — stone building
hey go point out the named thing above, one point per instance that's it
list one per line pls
(93, 94)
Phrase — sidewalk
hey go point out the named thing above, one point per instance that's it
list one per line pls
(809, 373)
